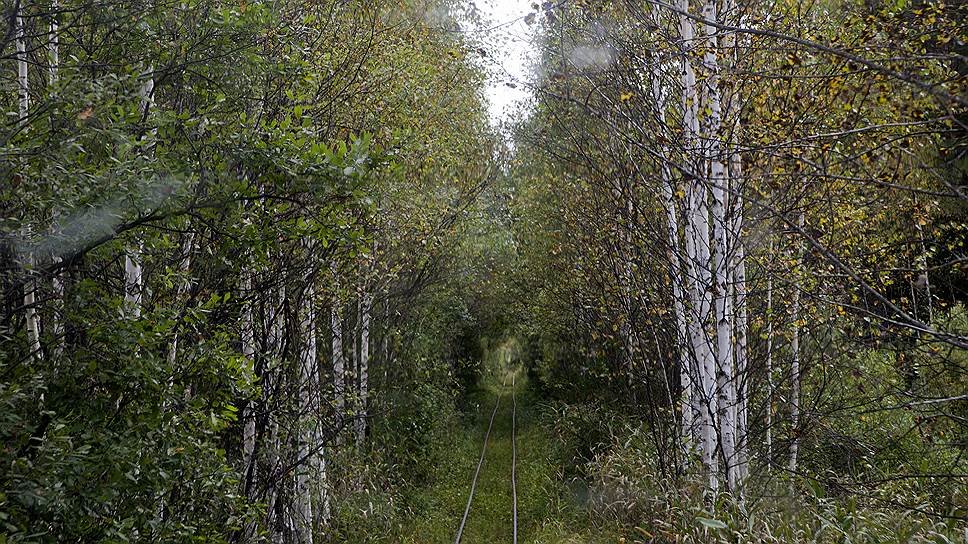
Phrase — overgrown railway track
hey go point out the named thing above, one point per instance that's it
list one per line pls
(480, 463)
(514, 460)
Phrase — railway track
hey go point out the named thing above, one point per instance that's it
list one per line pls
(480, 463)
(514, 459)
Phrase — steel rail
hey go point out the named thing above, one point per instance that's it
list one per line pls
(477, 472)
(514, 458)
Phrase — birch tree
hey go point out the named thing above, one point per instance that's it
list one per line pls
(23, 94)
(133, 272)
(57, 282)
(336, 352)
(795, 375)
(365, 306)
(697, 248)
(309, 476)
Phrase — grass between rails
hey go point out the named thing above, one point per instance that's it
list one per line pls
(544, 513)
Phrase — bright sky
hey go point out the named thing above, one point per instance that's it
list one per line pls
(506, 37)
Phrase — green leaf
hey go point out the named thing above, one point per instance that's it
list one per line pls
(711, 523)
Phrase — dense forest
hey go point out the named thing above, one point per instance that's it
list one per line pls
(271, 272)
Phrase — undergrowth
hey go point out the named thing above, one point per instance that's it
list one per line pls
(615, 483)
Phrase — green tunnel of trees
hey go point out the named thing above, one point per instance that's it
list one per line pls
(255, 257)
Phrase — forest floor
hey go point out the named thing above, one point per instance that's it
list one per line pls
(545, 514)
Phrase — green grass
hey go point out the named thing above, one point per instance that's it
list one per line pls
(544, 516)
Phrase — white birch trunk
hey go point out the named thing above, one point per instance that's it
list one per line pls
(366, 303)
(54, 43)
(697, 250)
(249, 464)
(737, 259)
(57, 326)
(133, 281)
(133, 276)
(23, 94)
(385, 329)
(769, 364)
(688, 407)
(924, 280)
(308, 472)
(339, 365)
(33, 317)
(276, 327)
(354, 371)
(146, 92)
(687, 402)
(183, 285)
(23, 86)
(795, 360)
(726, 374)
(741, 323)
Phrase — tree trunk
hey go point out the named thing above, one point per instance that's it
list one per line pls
(23, 86)
(54, 42)
(354, 367)
(308, 473)
(339, 366)
(249, 464)
(769, 364)
(697, 250)
(183, 285)
(23, 93)
(741, 324)
(133, 281)
(737, 258)
(795, 359)
(276, 326)
(924, 280)
(57, 282)
(725, 371)
(688, 406)
(676, 278)
(386, 332)
(366, 303)
(133, 277)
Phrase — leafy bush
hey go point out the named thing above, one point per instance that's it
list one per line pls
(624, 490)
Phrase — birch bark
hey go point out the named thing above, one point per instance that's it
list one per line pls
(339, 366)
(23, 94)
(184, 284)
(795, 358)
(133, 273)
(308, 474)
(687, 405)
(249, 464)
(725, 371)
(276, 326)
(366, 304)
(741, 321)
(697, 250)
(736, 257)
(57, 326)
(769, 364)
